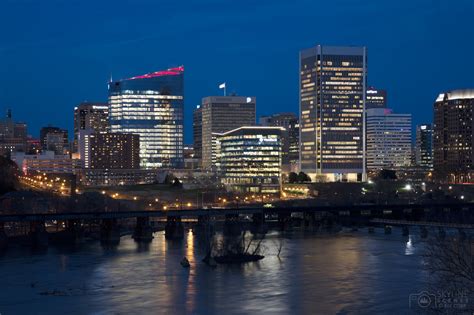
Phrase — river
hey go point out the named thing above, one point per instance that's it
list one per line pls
(351, 272)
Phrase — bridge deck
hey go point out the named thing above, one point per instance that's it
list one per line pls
(194, 213)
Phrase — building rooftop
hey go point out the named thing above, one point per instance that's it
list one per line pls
(456, 95)
(171, 71)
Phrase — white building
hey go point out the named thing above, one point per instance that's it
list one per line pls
(388, 139)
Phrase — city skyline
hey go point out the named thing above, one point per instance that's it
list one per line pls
(405, 70)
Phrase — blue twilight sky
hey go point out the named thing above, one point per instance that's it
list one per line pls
(57, 53)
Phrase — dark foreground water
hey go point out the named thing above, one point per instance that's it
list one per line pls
(345, 273)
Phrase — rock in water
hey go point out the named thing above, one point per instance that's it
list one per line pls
(185, 263)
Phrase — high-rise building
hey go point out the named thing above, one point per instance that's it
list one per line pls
(388, 139)
(375, 98)
(221, 114)
(54, 139)
(151, 106)
(290, 138)
(249, 159)
(105, 150)
(332, 103)
(424, 146)
(197, 134)
(13, 135)
(453, 136)
(89, 115)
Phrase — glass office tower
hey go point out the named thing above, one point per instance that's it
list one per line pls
(151, 106)
(332, 104)
(424, 146)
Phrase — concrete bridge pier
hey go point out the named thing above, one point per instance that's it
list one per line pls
(232, 225)
(441, 233)
(405, 231)
(109, 232)
(174, 228)
(259, 226)
(74, 232)
(309, 221)
(38, 236)
(388, 229)
(3, 237)
(143, 231)
(371, 230)
(203, 227)
(284, 221)
(423, 232)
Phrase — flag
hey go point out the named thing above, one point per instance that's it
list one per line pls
(222, 86)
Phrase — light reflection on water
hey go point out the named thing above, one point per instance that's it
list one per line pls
(315, 275)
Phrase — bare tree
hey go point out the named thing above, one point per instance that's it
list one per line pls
(450, 262)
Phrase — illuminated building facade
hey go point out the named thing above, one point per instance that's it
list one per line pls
(424, 146)
(375, 98)
(151, 106)
(453, 136)
(110, 150)
(332, 104)
(54, 139)
(94, 116)
(197, 134)
(221, 114)
(250, 159)
(290, 139)
(388, 139)
(46, 162)
(13, 135)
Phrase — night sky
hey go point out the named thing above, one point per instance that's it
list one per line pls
(55, 54)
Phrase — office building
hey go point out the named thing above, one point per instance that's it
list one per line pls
(290, 138)
(151, 106)
(46, 162)
(54, 139)
(375, 98)
(221, 114)
(13, 135)
(424, 146)
(388, 139)
(197, 134)
(250, 159)
(332, 103)
(109, 150)
(89, 115)
(453, 136)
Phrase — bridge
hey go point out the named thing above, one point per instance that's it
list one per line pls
(455, 215)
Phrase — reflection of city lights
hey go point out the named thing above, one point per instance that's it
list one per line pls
(409, 249)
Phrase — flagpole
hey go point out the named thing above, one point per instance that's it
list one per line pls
(225, 87)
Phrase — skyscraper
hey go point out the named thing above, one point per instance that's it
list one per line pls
(197, 134)
(221, 114)
(110, 150)
(388, 139)
(375, 98)
(151, 106)
(54, 139)
(290, 137)
(453, 136)
(249, 159)
(332, 102)
(13, 135)
(88, 115)
(424, 146)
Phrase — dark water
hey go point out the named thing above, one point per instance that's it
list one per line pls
(345, 273)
